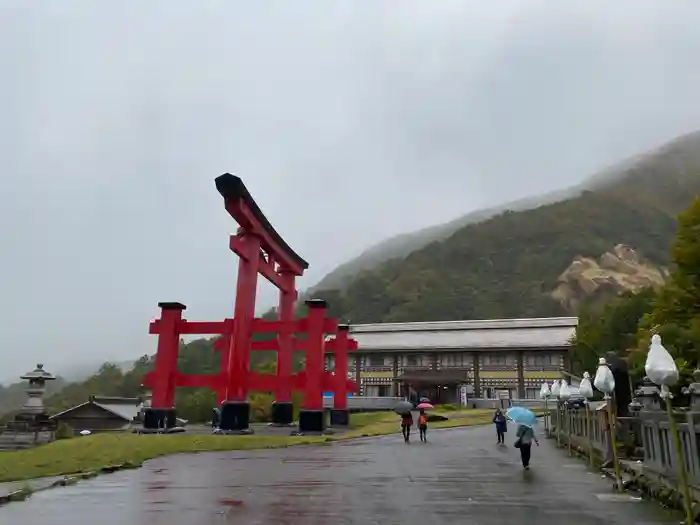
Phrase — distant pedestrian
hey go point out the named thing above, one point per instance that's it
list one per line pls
(525, 435)
(406, 424)
(423, 426)
(501, 425)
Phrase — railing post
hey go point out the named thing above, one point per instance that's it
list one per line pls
(612, 424)
(647, 396)
(685, 488)
(694, 391)
(568, 424)
(589, 437)
(635, 426)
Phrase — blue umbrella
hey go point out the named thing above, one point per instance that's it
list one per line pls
(522, 416)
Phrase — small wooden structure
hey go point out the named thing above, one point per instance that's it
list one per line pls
(100, 414)
(105, 414)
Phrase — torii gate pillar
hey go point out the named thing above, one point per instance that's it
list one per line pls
(282, 408)
(340, 346)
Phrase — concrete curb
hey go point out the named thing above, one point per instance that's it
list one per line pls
(25, 492)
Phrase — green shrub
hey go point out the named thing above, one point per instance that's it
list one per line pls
(261, 407)
(64, 431)
(450, 407)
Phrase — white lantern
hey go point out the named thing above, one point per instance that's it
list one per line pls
(564, 392)
(604, 380)
(660, 366)
(544, 391)
(556, 387)
(662, 370)
(585, 388)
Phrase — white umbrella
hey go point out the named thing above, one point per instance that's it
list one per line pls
(556, 387)
(604, 380)
(85, 432)
(564, 395)
(660, 366)
(662, 370)
(585, 388)
(564, 392)
(544, 394)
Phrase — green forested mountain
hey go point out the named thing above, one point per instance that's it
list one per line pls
(402, 245)
(678, 158)
(508, 265)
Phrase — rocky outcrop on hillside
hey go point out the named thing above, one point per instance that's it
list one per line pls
(619, 270)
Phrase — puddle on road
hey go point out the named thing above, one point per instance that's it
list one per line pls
(231, 502)
(158, 486)
(619, 498)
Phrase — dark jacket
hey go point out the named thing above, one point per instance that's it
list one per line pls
(500, 420)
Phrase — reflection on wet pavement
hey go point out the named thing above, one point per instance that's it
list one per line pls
(461, 476)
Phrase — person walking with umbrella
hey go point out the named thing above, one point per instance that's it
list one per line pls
(501, 427)
(423, 421)
(526, 420)
(406, 424)
(403, 409)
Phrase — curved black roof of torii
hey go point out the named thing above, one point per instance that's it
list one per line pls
(232, 187)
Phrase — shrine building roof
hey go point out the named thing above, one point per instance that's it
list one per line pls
(548, 333)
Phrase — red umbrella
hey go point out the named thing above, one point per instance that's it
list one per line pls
(423, 406)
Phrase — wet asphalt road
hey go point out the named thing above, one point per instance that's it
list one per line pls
(460, 476)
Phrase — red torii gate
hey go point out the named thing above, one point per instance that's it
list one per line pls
(262, 252)
(339, 346)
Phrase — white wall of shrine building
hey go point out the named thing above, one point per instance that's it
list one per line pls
(441, 360)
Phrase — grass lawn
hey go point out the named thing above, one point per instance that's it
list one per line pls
(92, 453)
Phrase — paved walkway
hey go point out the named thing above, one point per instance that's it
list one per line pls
(460, 476)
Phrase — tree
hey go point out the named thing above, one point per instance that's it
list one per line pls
(676, 314)
(610, 327)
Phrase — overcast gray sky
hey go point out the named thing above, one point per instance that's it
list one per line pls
(348, 121)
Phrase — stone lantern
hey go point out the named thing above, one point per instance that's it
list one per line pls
(647, 396)
(34, 405)
(694, 391)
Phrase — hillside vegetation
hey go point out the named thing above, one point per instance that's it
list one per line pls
(403, 244)
(508, 265)
(678, 159)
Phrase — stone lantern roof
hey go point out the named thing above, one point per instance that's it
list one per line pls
(38, 373)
